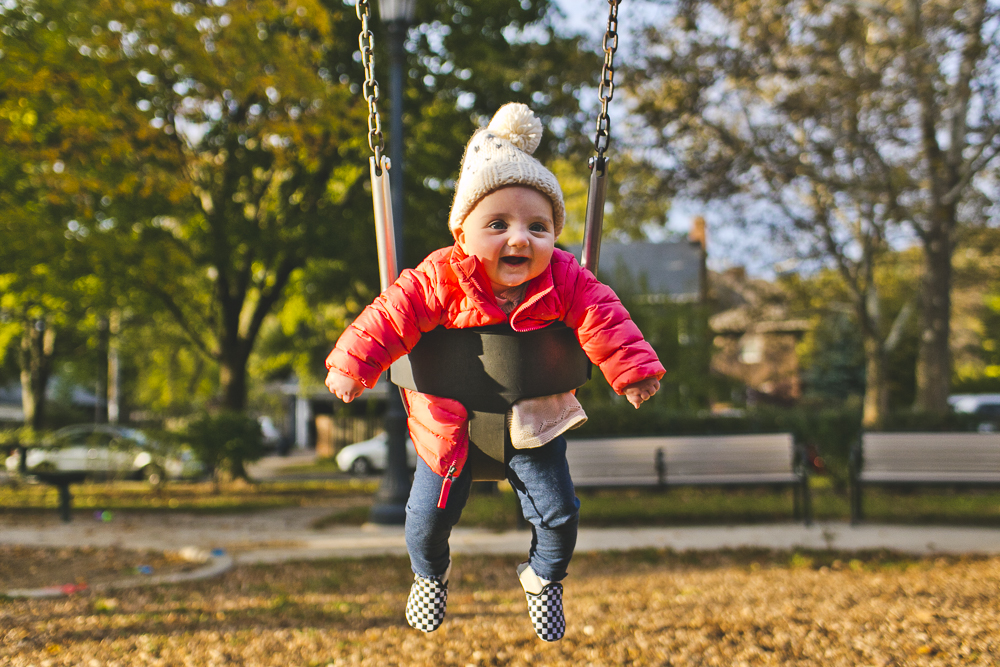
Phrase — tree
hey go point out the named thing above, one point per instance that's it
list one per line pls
(267, 123)
(832, 115)
(257, 162)
(832, 353)
(57, 176)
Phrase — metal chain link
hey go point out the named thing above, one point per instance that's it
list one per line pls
(606, 90)
(367, 45)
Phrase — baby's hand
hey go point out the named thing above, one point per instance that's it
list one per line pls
(346, 388)
(639, 392)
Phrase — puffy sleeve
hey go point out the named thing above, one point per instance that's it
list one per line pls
(389, 327)
(605, 329)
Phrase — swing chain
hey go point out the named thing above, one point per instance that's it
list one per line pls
(606, 90)
(366, 43)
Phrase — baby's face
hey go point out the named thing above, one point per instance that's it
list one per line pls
(511, 231)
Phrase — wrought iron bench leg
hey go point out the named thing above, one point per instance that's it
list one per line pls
(807, 501)
(65, 503)
(855, 495)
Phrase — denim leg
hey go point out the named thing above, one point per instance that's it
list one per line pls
(427, 527)
(541, 479)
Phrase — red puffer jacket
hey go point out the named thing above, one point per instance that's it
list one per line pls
(452, 288)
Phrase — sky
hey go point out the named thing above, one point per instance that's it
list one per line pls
(728, 246)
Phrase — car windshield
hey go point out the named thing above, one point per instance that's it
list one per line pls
(97, 436)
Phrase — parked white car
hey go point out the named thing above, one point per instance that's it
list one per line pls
(367, 456)
(984, 406)
(104, 451)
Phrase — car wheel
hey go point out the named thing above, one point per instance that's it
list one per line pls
(361, 466)
(153, 474)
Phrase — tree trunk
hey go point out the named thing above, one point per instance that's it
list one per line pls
(101, 390)
(233, 380)
(876, 403)
(37, 347)
(114, 369)
(934, 353)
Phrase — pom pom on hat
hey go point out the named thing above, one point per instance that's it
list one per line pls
(501, 155)
(517, 124)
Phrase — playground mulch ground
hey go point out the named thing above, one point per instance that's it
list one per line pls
(623, 608)
(29, 567)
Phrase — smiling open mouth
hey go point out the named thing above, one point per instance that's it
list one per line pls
(514, 261)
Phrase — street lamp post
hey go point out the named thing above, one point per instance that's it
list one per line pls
(390, 501)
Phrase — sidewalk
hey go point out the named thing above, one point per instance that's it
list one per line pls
(285, 535)
(280, 535)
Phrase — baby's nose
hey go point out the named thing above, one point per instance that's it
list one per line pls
(517, 238)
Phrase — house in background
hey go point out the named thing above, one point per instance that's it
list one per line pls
(665, 287)
(11, 412)
(78, 401)
(756, 338)
(316, 419)
(666, 272)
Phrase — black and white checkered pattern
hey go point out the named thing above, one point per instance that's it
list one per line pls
(546, 612)
(427, 603)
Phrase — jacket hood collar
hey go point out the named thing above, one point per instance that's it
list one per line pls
(474, 281)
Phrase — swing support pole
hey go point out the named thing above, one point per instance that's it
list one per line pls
(594, 220)
(389, 508)
(390, 500)
(385, 224)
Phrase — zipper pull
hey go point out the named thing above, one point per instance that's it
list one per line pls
(446, 487)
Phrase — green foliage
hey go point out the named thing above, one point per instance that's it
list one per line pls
(976, 338)
(227, 439)
(823, 124)
(832, 352)
(832, 359)
(187, 162)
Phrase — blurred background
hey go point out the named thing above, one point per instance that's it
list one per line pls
(802, 218)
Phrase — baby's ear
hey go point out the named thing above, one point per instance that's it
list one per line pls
(459, 235)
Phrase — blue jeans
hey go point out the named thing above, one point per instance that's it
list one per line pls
(541, 479)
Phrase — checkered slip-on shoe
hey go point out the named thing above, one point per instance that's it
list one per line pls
(427, 602)
(545, 607)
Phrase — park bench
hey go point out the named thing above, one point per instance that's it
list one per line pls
(61, 481)
(772, 459)
(956, 459)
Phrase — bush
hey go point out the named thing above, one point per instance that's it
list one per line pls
(227, 439)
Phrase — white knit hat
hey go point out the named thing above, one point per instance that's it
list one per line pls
(500, 155)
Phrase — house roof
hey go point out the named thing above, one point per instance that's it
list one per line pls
(752, 305)
(670, 269)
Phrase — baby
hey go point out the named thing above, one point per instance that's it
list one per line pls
(504, 267)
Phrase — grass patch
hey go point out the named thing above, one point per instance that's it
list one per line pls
(932, 505)
(185, 496)
(685, 506)
(352, 516)
(320, 466)
(634, 507)
(499, 511)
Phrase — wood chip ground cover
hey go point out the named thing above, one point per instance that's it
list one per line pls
(635, 608)
(29, 567)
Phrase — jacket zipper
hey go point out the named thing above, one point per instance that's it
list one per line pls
(525, 304)
(510, 318)
(446, 487)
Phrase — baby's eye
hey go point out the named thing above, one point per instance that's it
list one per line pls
(538, 227)
(498, 225)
